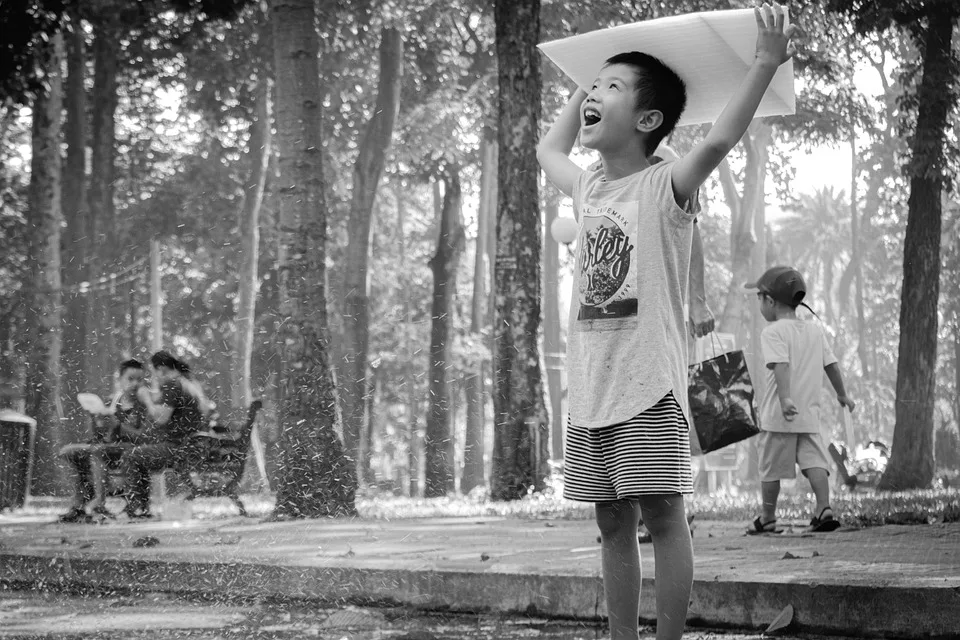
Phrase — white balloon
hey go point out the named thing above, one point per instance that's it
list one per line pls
(564, 230)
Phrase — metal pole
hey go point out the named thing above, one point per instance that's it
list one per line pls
(156, 312)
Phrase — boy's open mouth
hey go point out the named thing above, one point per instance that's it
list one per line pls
(590, 116)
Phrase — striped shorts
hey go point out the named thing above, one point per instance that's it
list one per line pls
(648, 454)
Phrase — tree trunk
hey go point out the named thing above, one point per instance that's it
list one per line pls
(414, 441)
(742, 234)
(856, 254)
(956, 369)
(366, 177)
(474, 386)
(553, 350)
(315, 477)
(438, 445)
(472, 475)
(258, 154)
(43, 311)
(911, 464)
(521, 427)
(76, 233)
(101, 340)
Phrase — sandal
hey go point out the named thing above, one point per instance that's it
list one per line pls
(759, 527)
(75, 515)
(824, 524)
(137, 512)
(101, 513)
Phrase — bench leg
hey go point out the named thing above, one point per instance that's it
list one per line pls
(233, 492)
(237, 501)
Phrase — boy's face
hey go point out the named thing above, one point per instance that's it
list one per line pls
(609, 114)
(767, 307)
(163, 374)
(130, 378)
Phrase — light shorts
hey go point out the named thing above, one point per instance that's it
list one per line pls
(780, 453)
(648, 454)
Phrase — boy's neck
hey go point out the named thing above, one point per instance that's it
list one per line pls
(623, 162)
(785, 313)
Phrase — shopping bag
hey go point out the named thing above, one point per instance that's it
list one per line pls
(721, 401)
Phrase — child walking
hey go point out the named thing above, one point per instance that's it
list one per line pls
(627, 448)
(796, 355)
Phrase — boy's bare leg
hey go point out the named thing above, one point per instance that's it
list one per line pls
(666, 520)
(620, 559)
(99, 480)
(769, 493)
(820, 483)
(79, 455)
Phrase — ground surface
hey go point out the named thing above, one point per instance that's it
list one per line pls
(879, 582)
(31, 615)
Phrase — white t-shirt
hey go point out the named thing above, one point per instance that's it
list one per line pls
(626, 347)
(803, 346)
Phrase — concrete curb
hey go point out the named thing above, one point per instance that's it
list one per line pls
(861, 611)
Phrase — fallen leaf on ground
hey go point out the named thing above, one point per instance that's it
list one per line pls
(782, 621)
(146, 541)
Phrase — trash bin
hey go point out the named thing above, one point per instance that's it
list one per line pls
(17, 433)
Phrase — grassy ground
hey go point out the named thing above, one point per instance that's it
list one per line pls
(854, 509)
(859, 509)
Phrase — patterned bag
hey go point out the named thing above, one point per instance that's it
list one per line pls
(721, 401)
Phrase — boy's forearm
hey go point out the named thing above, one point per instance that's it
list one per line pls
(563, 133)
(739, 112)
(781, 373)
(836, 379)
(698, 294)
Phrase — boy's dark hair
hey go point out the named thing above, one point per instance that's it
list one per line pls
(658, 87)
(167, 359)
(129, 364)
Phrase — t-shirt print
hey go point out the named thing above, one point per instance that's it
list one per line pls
(607, 267)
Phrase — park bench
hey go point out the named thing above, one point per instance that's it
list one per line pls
(221, 468)
(218, 472)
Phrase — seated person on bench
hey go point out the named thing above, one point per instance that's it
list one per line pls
(176, 410)
(117, 428)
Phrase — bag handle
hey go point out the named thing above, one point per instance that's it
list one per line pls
(715, 342)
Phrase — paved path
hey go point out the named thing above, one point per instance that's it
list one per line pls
(892, 581)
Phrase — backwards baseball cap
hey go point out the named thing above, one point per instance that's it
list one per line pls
(783, 284)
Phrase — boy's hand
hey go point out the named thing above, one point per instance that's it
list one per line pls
(144, 395)
(701, 319)
(773, 39)
(847, 402)
(789, 409)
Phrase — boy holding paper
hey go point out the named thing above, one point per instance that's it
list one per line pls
(627, 447)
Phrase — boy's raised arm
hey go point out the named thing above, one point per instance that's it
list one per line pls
(773, 49)
(553, 152)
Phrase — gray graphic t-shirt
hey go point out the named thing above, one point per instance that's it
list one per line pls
(626, 345)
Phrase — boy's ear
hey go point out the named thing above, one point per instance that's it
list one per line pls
(649, 120)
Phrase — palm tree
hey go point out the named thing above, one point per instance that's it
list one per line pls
(816, 241)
